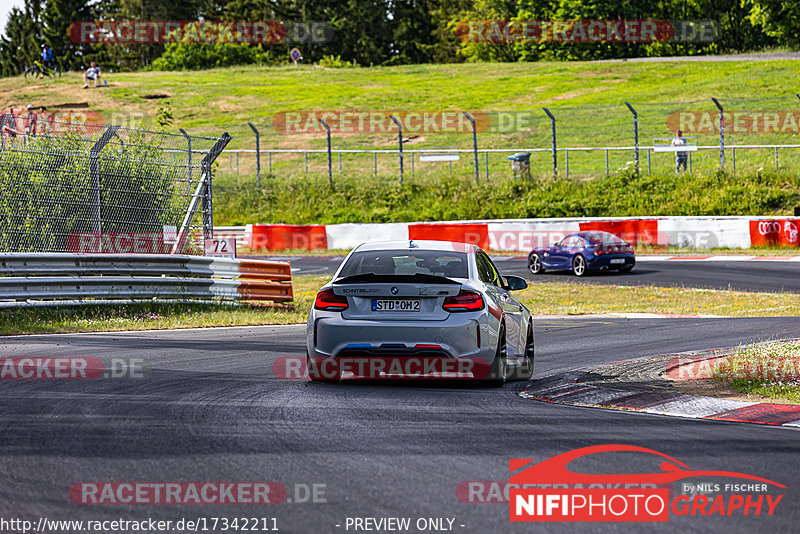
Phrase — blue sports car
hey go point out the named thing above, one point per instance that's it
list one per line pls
(582, 252)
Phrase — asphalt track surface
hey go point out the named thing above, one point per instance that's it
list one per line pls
(210, 409)
(750, 275)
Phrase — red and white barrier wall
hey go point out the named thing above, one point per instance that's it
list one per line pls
(525, 234)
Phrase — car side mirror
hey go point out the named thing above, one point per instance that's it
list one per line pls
(515, 283)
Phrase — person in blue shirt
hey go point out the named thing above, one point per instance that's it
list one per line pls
(47, 56)
(92, 73)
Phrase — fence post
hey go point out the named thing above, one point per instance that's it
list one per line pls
(566, 162)
(189, 153)
(555, 157)
(607, 173)
(258, 155)
(733, 159)
(330, 171)
(412, 164)
(203, 191)
(474, 146)
(635, 135)
(486, 164)
(400, 143)
(94, 177)
(721, 134)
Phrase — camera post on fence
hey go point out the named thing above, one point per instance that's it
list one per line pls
(635, 136)
(328, 130)
(555, 156)
(474, 146)
(400, 144)
(721, 134)
(258, 154)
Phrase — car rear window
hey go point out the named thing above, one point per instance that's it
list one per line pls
(406, 262)
(603, 238)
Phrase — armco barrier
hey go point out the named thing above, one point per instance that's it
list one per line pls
(525, 234)
(44, 277)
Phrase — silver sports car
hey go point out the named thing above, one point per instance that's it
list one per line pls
(420, 309)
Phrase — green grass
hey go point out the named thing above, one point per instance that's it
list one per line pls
(307, 200)
(586, 98)
(541, 298)
(771, 370)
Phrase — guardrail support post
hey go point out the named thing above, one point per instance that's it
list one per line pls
(94, 177)
(399, 143)
(258, 155)
(474, 146)
(733, 159)
(721, 134)
(635, 136)
(189, 154)
(566, 162)
(486, 164)
(607, 173)
(412, 164)
(555, 156)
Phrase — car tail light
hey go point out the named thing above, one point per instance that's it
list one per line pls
(329, 301)
(599, 251)
(464, 301)
(629, 249)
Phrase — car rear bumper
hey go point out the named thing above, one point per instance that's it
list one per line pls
(605, 261)
(460, 338)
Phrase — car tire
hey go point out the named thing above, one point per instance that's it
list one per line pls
(626, 269)
(315, 376)
(579, 267)
(535, 264)
(498, 372)
(525, 371)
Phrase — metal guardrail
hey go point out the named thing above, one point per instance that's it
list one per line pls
(28, 278)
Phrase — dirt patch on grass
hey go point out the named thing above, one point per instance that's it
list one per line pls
(708, 387)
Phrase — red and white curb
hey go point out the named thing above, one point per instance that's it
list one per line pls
(568, 390)
(524, 235)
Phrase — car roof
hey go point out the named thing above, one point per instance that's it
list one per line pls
(585, 233)
(413, 244)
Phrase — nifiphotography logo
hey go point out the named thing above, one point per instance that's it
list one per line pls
(550, 491)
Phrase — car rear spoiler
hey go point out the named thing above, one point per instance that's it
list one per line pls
(418, 278)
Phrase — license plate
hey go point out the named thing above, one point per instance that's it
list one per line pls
(618, 260)
(395, 305)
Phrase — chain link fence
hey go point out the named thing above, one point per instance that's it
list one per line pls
(83, 188)
(591, 140)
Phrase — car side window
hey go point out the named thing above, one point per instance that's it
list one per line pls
(486, 270)
(494, 272)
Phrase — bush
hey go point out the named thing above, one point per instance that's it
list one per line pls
(194, 56)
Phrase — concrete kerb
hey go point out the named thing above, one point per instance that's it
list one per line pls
(644, 385)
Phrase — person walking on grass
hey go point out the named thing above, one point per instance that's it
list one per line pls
(92, 73)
